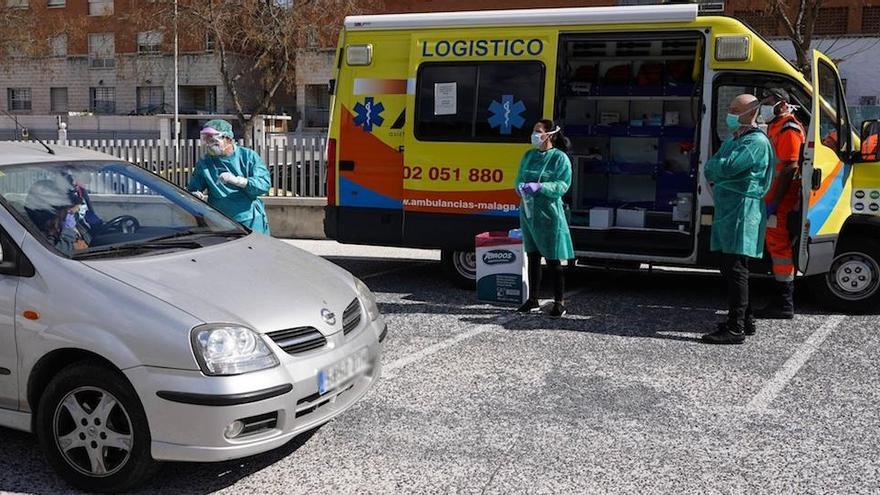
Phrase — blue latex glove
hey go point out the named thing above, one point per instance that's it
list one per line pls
(531, 187)
(771, 208)
(70, 221)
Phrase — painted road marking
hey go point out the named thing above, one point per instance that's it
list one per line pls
(388, 369)
(760, 403)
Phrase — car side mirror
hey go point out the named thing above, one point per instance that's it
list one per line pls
(870, 136)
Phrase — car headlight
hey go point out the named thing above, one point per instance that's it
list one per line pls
(231, 350)
(368, 299)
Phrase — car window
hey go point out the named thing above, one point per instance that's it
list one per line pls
(82, 207)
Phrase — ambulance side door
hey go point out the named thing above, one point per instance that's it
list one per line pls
(825, 170)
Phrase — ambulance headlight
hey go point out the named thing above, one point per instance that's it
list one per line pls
(731, 48)
(359, 54)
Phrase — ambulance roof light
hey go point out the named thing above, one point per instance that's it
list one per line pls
(359, 54)
(732, 48)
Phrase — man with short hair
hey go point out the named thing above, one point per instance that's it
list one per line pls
(787, 135)
(741, 172)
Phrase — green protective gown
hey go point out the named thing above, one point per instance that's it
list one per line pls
(242, 205)
(545, 228)
(742, 171)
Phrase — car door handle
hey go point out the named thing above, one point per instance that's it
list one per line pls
(816, 182)
(346, 165)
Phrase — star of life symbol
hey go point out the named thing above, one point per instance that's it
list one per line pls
(507, 114)
(369, 113)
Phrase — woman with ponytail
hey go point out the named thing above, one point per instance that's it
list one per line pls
(544, 177)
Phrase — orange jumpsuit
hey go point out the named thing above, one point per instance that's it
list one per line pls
(787, 136)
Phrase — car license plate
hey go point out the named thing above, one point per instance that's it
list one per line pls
(331, 377)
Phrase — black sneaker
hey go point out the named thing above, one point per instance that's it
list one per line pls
(724, 336)
(749, 328)
(529, 306)
(558, 310)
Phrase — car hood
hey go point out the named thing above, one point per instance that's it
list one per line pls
(256, 281)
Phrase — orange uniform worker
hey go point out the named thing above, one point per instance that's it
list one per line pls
(787, 136)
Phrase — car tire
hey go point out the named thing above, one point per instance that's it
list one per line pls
(461, 267)
(852, 284)
(110, 450)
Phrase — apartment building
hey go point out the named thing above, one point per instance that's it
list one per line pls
(106, 66)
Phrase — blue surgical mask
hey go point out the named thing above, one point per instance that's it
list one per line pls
(537, 140)
(733, 121)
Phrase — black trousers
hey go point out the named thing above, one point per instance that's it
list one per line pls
(556, 272)
(735, 270)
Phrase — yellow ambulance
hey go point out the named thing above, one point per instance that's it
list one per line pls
(433, 112)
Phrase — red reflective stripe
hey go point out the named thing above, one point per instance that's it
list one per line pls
(811, 144)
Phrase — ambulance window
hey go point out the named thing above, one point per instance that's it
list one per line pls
(729, 86)
(833, 121)
(479, 101)
(445, 106)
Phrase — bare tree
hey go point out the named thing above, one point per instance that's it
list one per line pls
(798, 20)
(256, 41)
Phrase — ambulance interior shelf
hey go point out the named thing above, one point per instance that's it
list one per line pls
(629, 108)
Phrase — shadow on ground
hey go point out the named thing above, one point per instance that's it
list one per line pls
(25, 469)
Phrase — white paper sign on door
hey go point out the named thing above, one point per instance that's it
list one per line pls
(445, 98)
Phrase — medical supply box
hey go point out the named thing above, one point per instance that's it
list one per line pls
(501, 267)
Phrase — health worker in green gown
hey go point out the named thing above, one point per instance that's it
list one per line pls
(740, 173)
(544, 177)
(231, 178)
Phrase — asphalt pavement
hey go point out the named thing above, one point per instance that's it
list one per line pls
(618, 397)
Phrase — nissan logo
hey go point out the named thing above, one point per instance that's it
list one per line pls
(328, 317)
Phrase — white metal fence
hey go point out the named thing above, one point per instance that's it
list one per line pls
(298, 168)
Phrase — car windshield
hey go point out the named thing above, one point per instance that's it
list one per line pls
(97, 209)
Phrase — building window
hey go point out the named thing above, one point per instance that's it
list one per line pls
(209, 42)
(198, 99)
(58, 100)
(18, 99)
(149, 42)
(102, 51)
(100, 7)
(57, 3)
(832, 21)
(871, 20)
(759, 20)
(102, 100)
(868, 101)
(59, 46)
(482, 102)
(150, 99)
(17, 4)
(317, 108)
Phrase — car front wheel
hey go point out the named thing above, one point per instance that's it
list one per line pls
(93, 430)
(852, 284)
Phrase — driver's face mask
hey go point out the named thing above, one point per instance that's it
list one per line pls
(214, 144)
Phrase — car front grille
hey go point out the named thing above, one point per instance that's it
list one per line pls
(297, 340)
(351, 317)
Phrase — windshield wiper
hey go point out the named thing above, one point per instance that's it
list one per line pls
(127, 248)
(192, 233)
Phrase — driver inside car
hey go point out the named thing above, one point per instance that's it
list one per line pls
(55, 211)
(79, 184)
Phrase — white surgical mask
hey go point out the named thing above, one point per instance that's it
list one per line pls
(215, 149)
(537, 139)
(766, 113)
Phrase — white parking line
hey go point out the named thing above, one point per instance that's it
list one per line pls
(388, 369)
(760, 403)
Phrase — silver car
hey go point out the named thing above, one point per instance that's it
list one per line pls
(138, 324)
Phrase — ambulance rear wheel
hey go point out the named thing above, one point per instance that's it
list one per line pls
(852, 284)
(461, 267)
